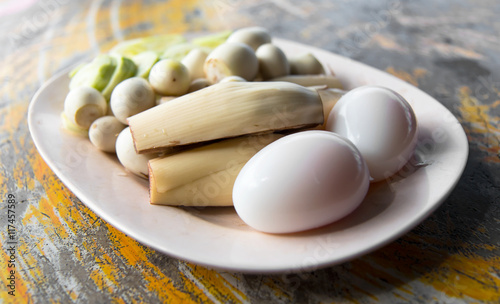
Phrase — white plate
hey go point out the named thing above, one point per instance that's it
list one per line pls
(216, 237)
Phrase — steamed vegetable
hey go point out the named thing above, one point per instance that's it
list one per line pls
(83, 105)
(225, 110)
(104, 131)
(169, 77)
(130, 97)
(251, 36)
(231, 59)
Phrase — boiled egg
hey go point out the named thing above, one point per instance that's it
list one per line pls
(301, 181)
(380, 123)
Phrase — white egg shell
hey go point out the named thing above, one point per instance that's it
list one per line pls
(300, 182)
(380, 123)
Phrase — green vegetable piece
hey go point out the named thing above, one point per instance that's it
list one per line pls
(158, 44)
(211, 40)
(178, 51)
(95, 74)
(144, 62)
(125, 68)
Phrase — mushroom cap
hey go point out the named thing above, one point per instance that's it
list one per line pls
(104, 131)
(169, 77)
(272, 61)
(231, 59)
(125, 151)
(253, 36)
(83, 105)
(131, 97)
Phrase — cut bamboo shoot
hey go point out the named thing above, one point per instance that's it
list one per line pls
(226, 110)
(203, 176)
(312, 80)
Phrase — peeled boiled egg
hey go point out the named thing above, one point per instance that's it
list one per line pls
(380, 123)
(300, 182)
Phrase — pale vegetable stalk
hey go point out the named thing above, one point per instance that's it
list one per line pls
(329, 81)
(226, 110)
(203, 176)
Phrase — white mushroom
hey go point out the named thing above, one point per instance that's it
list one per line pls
(252, 36)
(130, 97)
(232, 79)
(104, 131)
(231, 59)
(194, 61)
(83, 105)
(169, 77)
(272, 61)
(305, 64)
(125, 151)
(198, 84)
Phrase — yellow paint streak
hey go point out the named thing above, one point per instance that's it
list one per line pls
(387, 43)
(410, 78)
(216, 285)
(156, 281)
(463, 276)
(454, 50)
(457, 275)
(481, 127)
(104, 276)
(277, 290)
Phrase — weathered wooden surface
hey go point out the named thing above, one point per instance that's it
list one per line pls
(65, 253)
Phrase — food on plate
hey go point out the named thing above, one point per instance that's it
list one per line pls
(67, 125)
(211, 40)
(104, 131)
(103, 73)
(301, 181)
(226, 110)
(305, 64)
(203, 176)
(231, 59)
(133, 162)
(231, 119)
(198, 84)
(131, 96)
(272, 61)
(382, 125)
(194, 61)
(329, 98)
(144, 62)
(169, 77)
(254, 36)
(232, 79)
(329, 81)
(83, 105)
(125, 68)
(95, 74)
(157, 44)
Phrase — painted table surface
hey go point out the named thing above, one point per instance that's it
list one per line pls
(66, 253)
